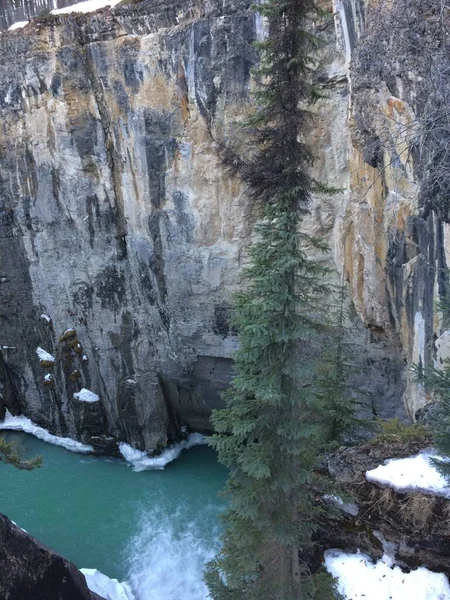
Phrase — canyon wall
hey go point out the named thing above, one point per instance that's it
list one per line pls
(122, 235)
(392, 234)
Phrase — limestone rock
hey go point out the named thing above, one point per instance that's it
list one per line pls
(392, 230)
(118, 222)
(119, 225)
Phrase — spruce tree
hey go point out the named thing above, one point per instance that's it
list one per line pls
(272, 430)
(438, 421)
(341, 361)
(437, 381)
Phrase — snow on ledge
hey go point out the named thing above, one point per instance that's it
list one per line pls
(18, 25)
(142, 462)
(85, 395)
(21, 423)
(413, 474)
(43, 355)
(359, 578)
(109, 589)
(85, 7)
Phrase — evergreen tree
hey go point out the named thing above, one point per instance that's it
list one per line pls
(437, 381)
(438, 421)
(273, 427)
(9, 455)
(339, 365)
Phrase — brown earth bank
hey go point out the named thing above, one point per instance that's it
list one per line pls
(415, 525)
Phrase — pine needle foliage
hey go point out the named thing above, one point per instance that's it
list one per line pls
(271, 432)
(9, 455)
(438, 382)
(342, 359)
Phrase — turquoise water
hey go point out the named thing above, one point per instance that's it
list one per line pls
(154, 529)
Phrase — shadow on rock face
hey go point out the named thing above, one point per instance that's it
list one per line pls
(30, 570)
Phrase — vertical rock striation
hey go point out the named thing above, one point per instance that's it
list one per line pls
(393, 231)
(120, 233)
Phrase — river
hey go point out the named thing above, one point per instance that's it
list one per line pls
(155, 529)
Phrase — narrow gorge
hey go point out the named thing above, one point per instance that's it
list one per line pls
(123, 235)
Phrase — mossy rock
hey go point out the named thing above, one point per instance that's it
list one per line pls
(45, 16)
(75, 375)
(396, 431)
(48, 364)
(68, 335)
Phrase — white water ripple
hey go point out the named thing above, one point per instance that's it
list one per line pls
(142, 462)
(169, 565)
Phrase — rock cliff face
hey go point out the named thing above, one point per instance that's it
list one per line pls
(121, 235)
(30, 570)
(392, 234)
(117, 222)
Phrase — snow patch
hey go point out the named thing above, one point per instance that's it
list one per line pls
(85, 395)
(85, 7)
(46, 318)
(413, 474)
(348, 507)
(69, 331)
(48, 377)
(142, 462)
(359, 578)
(21, 423)
(109, 589)
(18, 25)
(43, 355)
(21, 528)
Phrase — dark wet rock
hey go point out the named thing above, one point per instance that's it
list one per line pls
(30, 570)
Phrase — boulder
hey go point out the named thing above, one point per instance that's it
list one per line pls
(30, 570)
